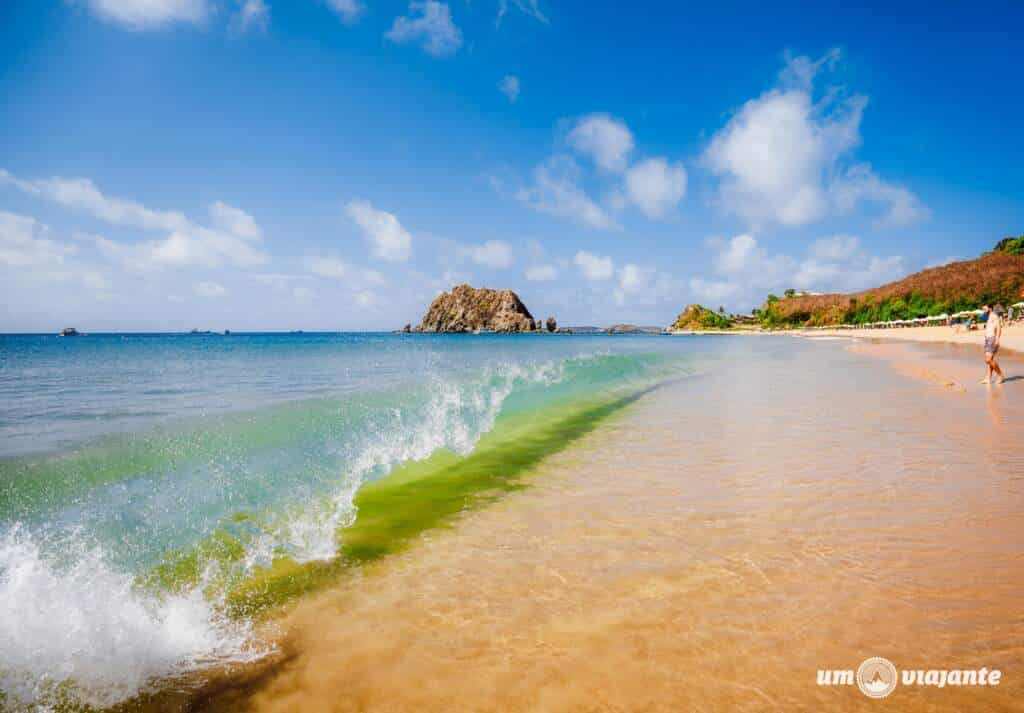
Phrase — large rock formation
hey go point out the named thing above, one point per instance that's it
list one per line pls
(469, 309)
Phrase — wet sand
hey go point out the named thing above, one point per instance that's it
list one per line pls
(710, 549)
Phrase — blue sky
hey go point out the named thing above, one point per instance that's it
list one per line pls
(333, 164)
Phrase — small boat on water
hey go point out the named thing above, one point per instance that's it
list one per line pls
(69, 332)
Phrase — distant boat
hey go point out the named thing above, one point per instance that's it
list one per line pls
(205, 331)
(227, 332)
(69, 332)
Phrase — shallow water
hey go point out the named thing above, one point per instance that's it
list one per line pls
(157, 490)
(802, 507)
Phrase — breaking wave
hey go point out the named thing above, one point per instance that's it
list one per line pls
(84, 626)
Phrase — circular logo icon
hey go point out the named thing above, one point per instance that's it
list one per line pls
(876, 677)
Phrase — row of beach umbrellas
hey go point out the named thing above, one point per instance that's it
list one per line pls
(918, 322)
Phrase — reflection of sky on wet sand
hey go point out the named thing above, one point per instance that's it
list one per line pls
(710, 550)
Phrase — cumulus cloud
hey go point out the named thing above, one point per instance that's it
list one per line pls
(509, 86)
(743, 271)
(495, 254)
(150, 14)
(541, 273)
(349, 11)
(655, 186)
(187, 243)
(780, 158)
(428, 24)
(251, 15)
(632, 280)
(556, 191)
(859, 183)
(209, 290)
(27, 252)
(594, 267)
(389, 239)
(604, 139)
(22, 244)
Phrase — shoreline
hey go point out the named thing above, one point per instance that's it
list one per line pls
(738, 534)
(1012, 339)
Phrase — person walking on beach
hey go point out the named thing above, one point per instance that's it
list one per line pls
(993, 333)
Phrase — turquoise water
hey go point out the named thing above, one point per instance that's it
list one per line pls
(121, 453)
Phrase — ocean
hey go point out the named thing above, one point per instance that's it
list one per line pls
(161, 494)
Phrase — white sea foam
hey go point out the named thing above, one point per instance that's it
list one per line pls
(83, 632)
(455, 417)
(80, 629)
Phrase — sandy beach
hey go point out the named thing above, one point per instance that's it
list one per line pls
(712, 548)
(1012, 340)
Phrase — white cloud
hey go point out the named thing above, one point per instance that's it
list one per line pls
(429, 24)
(200, 248)
(509, 86)
(528, 7)
(82, 194)
(28, 254)
(302, 294)
(21, 244)
(348, 10)
(150, 14)
(251, 15)
(235, 221)
(541, 273)
(556, 192)
(187, 243)
(632, 280)
(711, 290)
(389, 239)
(738, 254)
(780, 157)
(745, 272)
(329, 267)
(606, 140)
(800, 71)
(859, 183)
(594, 267)
(834, 248)
(655, 186)
(494, 253)
(209, 290)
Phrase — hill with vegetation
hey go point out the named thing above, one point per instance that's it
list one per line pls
(996, 278)
(697, 317)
